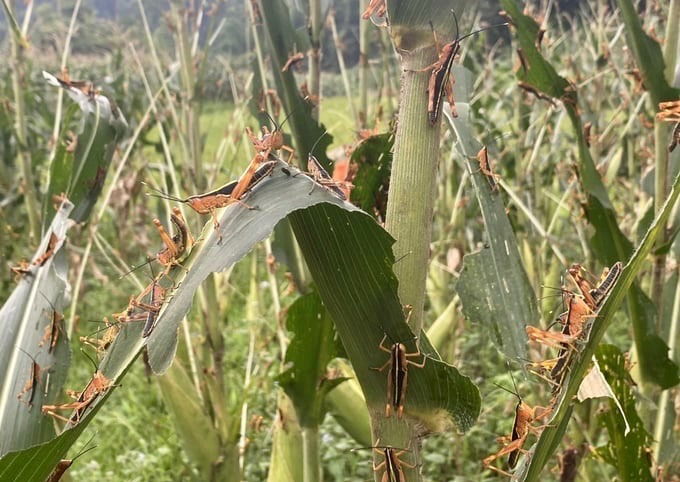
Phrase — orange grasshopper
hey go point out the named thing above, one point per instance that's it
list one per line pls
(594, 295)
(392, 464)
(174, 246)
(177, 245)
(20, 270)
(573, 331)
(321, 176)
(102, 344)
(525, 415)
(579, 307)
(53, 329)
(139, 310)
(24, 267)
(208, 203)
(574, 319)
(157, 294)
(579, 311)
(441, 81)
(675, 138)
(397, 376)
(270, 141)
(292, 60)
(33, 381)
(485, 168)
(669, 111)
(98, 385)
(375, 7)
(49, 250)
(132, 313)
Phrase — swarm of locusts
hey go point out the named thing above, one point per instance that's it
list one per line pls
(581, 304)
(581, 308)
(177, 242)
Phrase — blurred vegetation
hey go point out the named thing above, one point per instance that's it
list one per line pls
(193, 140)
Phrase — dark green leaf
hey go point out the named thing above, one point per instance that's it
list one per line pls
(351, 259)
(313, 346)
(629, 454)
(372, 179)
(647, 55)
(35, 464)
(282, 42)
(536, 71)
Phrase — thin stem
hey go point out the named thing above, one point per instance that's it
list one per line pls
(665, 415)
(243, 439)
(663, 427)
(60, 93)
(191, 113)
(18, 59)
(164, 84)
(314, 76)
(363, 67)
(341, 63)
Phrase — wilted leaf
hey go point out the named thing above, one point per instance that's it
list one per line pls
(241, 229)
(595, 385)
(494, 288)
(26, 322)
(374, 158)
(80, 174)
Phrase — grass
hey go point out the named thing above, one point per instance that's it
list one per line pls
(135, 437)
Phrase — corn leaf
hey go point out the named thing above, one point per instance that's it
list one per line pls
(275, 197)
(241, 229)
(350, 258)
(80, 171)
(313, 346)
(648, 55)
(494, 288)
(26, 321)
